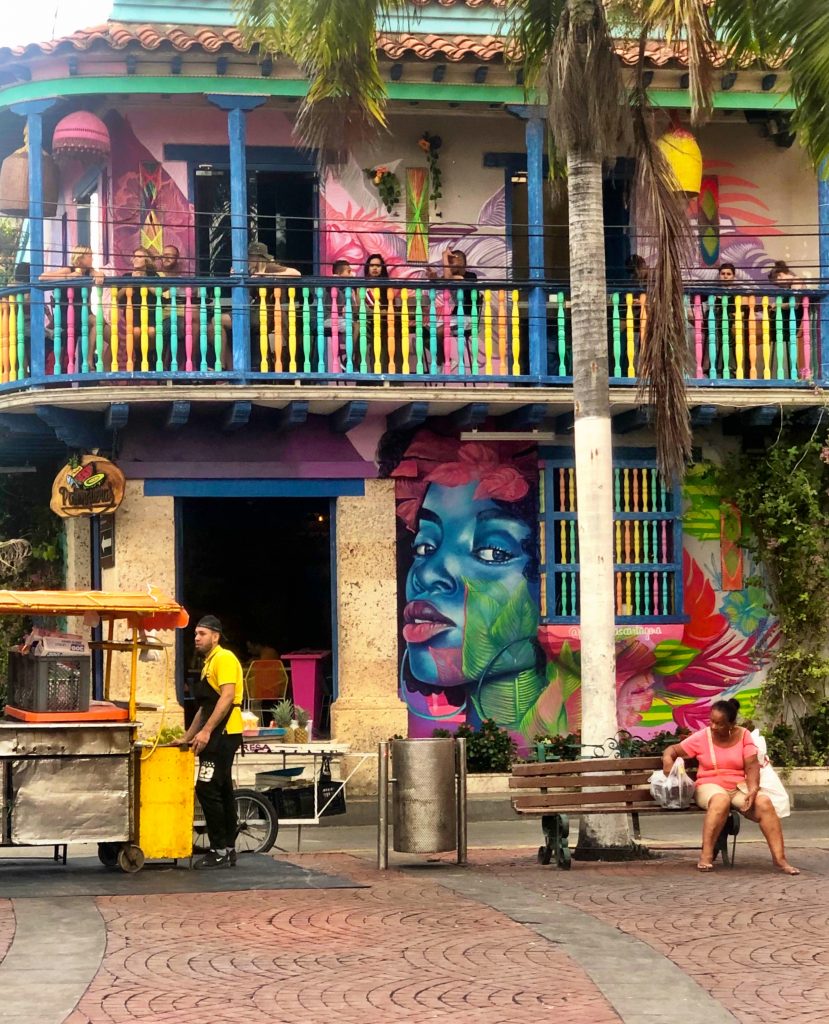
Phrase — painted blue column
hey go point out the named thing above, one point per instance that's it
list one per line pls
(534, 136)
(823, 232)
(237, 108)
(33, 112)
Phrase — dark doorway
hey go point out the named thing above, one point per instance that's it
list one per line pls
(281, 207)
(263, 565)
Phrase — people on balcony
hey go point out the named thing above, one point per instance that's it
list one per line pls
(76, 310)
(262, 265)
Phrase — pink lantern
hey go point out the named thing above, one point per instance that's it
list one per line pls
(81, 136)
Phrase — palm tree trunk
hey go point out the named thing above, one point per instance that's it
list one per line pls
(594, 481)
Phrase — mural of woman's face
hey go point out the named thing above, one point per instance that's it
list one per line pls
(460, 541)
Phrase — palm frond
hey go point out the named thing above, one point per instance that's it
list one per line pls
(585, 93)
(530, 28)
(334, 44)
(808, 63)
(663, 350)
(752, 28)
(687, 20)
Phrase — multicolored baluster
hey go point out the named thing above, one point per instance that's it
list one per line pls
(433, 333)
(292, 330)
(405, 339)
(113, 330)
(377, 335)
(173, 329)
(71, 345)
(698, 350)
(217, 329)
(451, 345)
(363, 332)
(306, 331)
(335, 331)
(487, 336)
(779, 349)
(561, 333)
(349, 330)
(806, 322)
(630, 329)
(725, 324)
(320, 308)
(263, 329)
(391, 342)
(419, 332)
(57, 316)
(712, 337)
(188, 329)
(766, 331)
(13, 324)
(4, 339)
(752, 338)
(502, 331)
(793, 374)
(278, 339)
(159, 330)
(738, 336)
(459, 340)
(84, 367)
(617, 336)
(474, 330)
(217, 314)
(516, 333)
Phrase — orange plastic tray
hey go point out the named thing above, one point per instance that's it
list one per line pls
(99, 711)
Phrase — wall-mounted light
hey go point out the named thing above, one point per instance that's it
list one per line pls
(768, 82)
(728, 81)
(480, 74)
(438, 72)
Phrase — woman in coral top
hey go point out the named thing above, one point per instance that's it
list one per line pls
(728, 776)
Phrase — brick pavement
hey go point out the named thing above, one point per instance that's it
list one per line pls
(755, 939)
(404, 949)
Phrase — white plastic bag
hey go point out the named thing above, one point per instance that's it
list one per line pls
(770, 784)
(674, 791)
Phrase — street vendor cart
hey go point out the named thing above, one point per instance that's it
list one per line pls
(79, 774)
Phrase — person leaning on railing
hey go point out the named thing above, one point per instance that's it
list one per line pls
(262, 265)
(81, 268)
(143, 266)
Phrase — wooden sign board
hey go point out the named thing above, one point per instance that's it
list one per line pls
(88, 486)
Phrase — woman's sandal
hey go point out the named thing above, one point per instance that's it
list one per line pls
(702, 866)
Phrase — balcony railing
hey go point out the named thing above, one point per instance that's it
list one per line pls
(324, 329)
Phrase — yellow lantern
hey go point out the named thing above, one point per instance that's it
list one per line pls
(685, 158)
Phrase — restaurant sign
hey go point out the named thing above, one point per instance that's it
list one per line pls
(88, 485)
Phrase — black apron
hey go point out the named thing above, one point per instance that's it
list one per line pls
(206, 698)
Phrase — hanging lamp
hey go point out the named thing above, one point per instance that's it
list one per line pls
(14, 182)
(682, 152)
(81, 136)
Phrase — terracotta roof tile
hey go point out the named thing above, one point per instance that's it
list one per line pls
(208, 39)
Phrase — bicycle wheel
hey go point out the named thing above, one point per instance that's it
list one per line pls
(258, 823)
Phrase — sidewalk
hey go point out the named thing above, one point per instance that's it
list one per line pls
(504, 941)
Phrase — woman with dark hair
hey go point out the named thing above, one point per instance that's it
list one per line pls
(375, 266)
(728, 776)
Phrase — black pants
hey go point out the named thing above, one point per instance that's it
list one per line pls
(214, 789)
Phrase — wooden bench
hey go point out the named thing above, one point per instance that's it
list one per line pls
(557, 789)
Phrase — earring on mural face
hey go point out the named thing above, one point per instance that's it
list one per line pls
(419, 714)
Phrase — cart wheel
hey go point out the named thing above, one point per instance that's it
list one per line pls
(258, 823)
(564, 859)
(131, 858)
(545, 854)
(108, 854)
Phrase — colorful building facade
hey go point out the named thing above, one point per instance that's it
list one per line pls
(380, 471)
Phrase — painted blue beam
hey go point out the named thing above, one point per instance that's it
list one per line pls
(534, 134)
(33, 112)
(116, 416)
(469, 416)
(823, 239)
(347, 417)
(408, 417)
(237, 416)
(237, 108)
(294, 414)
(76, 429)
(526, 417)
(167, 487)
(177, 415)
(703, 415)
(633, 419)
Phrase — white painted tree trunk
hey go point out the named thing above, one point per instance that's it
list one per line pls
(594, 480)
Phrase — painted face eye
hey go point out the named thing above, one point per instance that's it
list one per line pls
(423, 548)
(493, 555)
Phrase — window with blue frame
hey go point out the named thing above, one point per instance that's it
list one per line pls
(647, 539)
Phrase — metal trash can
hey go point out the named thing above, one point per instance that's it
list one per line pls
(424, 801)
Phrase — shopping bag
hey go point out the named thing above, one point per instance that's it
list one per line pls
(773, 788)
(674, 791)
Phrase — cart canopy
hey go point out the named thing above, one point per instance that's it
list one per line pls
(149, 609)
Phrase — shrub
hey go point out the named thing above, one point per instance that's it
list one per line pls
(492, 749)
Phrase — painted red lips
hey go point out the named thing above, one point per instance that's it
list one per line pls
(423, 622)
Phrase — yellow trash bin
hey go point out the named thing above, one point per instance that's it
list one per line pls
(164, 802)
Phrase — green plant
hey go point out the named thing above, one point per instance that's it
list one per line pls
(492, 749)
(301, 715)
(387, 184)
(283, 713)
(170, 733)
(431, 144)
(782, 495)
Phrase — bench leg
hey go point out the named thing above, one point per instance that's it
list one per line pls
(730, 828)
(637, 831)
(556, 829)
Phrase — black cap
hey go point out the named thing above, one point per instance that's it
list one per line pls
(210, 622)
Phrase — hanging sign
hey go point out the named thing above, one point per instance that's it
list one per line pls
(87, 486)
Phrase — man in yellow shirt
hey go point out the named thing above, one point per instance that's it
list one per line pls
(215, 735)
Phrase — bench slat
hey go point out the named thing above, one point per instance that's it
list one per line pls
(538, 812)
(589, 766)
(579, 781)
(617, 796)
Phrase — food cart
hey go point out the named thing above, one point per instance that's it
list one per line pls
(83, 776)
